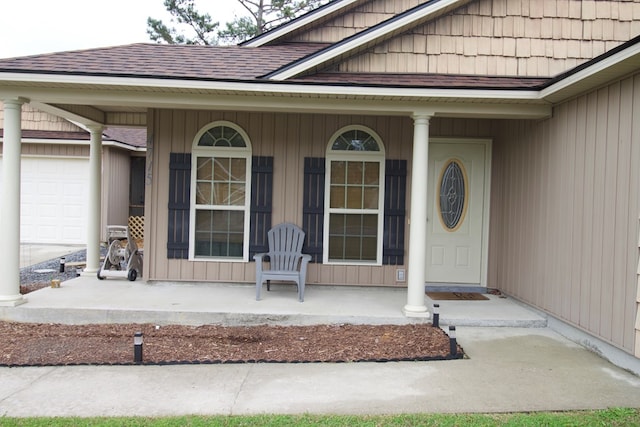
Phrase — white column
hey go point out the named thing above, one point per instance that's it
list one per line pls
(95, 205)
(10, 209)
(418, 219)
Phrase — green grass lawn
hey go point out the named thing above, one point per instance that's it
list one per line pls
(610, 417)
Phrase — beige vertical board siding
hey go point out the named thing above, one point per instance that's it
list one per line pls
(623, 177)
(115, 188)
(126, 119)
(634, 211)
(575, 135)
(637, 326)
(518, 37)
(289, 138)
(149, 196)
(567, 238)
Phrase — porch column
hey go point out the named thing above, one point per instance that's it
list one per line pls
(95, 205)
(416, 274)
(10, 209)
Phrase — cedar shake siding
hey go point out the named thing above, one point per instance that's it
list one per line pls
(510, 38)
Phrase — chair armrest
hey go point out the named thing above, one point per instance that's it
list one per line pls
(304, 260)
(259, 257)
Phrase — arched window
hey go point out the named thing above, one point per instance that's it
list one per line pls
(354, 197)
(221, 181)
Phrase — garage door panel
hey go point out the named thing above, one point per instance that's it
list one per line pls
(54, 200)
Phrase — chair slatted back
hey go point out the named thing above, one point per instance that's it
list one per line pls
(285, 246)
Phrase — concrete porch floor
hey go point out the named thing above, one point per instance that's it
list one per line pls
(523, 367)
(89, 300)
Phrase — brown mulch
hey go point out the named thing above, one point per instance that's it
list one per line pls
(27, 344)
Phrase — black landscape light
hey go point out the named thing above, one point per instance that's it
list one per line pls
(137, 347)
(453, 345)
(62, 262)
(436, 315)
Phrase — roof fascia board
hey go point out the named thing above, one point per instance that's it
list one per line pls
(78, 142)
(554, 90)
(302, 21)
(362, 38)
(329, 105)
(53, 141)
(123, 146)
(76, 90)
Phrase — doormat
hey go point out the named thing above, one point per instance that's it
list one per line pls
(456, 296)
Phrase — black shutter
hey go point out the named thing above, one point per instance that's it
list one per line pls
(395, 191)
(261, 204)
(179, 203)
(313, 207)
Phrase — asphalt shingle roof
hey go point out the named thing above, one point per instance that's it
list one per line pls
(424, 80)
(147, 60)
(135, 137)
(165, 61)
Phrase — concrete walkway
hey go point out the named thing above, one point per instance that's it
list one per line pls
(31, 254)
(509, 369)
(515, 361)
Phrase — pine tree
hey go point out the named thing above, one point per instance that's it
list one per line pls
(263, 15)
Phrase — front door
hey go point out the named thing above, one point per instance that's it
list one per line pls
(457, 212)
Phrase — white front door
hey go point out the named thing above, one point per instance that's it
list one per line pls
(457, 212)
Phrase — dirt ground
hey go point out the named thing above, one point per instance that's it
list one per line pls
(24, 344)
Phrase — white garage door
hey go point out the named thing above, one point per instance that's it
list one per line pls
(54, 198)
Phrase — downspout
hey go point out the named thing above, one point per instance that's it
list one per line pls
(637, 347)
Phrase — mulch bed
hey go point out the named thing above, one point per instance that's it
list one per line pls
(29, 344)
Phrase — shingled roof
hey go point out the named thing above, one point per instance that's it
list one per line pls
(134, 137)
(165, 61)
(146, 60)
(424, 80)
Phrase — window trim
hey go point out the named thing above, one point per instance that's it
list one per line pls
(235, 152)
(345, 155)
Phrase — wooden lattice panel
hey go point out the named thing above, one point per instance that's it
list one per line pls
(136, 227)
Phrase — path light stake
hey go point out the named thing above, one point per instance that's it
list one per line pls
(62, 261)
(453, 345)
(137, 347)
(436, 315)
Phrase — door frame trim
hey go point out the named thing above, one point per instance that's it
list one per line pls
(488, 145)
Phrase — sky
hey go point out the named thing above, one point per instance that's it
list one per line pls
(31, 27)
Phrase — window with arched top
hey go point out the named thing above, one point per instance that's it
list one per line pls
(221, 180)
(354, 197)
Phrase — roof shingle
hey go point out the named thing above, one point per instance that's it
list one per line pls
(424, 80)
(165, 61)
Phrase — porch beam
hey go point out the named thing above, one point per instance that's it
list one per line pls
(418, 218)
(393, 103)
(95, 204)
(10, 209)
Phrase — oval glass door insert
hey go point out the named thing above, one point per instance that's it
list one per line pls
(452, 201)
